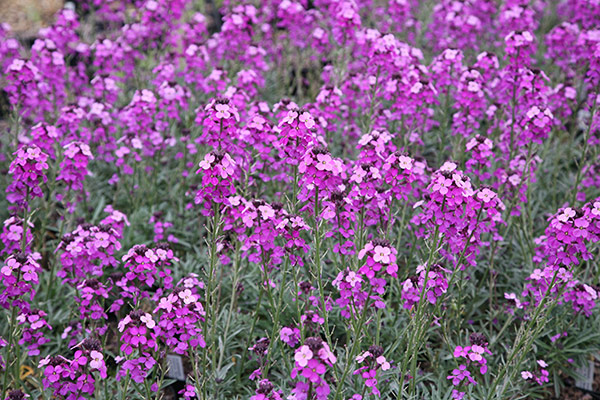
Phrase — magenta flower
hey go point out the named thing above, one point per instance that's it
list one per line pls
(370, 378)
(459, 374)
(27, 170)
(290, 336)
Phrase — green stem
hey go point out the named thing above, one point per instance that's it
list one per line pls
(232, 302)
(586, 146)
(523, 342)
(319, 269)
(277, 314)
(413, 346)
(509, 224)
(11, 331)
(245, 350)
(211, 307)
(355, 343)
(124, 392)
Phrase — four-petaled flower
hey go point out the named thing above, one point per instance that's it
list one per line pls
(303, 355)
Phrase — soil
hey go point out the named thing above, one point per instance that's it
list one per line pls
(26, 17)
(570, 392)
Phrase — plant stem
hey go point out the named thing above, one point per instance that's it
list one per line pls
(355, 343)
(523, 342)
(586, 146)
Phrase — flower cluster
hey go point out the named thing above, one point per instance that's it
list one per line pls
(146, 268)
(32, 335)
(320, 172)
(180, 317)
(91, 296)
(313, 310)
(460, 213)
(472, 355)
(350, 169)
(12, 235)
(381, 256)
(27, 170)
(160, 227)
(310, 362)
(290, 336)
(87, 251)
(558, 282)
(73, 169)
(139, 339)
(541, 376)
(75, 378)
(22, 86)
(398, 173)
(569, 234)
(219, 122)
(19, 277)
(374, 363)
(266, 391)
(296, 135)
(435, 281)
(217, 169)
(352, 294)
(481, 152)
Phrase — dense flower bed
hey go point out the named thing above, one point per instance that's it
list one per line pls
(300, 199)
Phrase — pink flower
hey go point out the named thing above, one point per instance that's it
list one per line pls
(526, 375)
(166, 303)
(383, 363)
(10, 266)
(461, 352)
(459, 374)
(476, 352)
(486, 195)
(290, 117)
(405, 162)
(222, 111)
(289, 336)
(97, 359)
(442, 184)
(566, 214)
(382, 254)
(206, 163)
(313, 370)
(187, 296)
(53, 373)
(326, 354)
(370, 378)
(361, 357)
(148, 320)
(324, 162)
(353, 278)
(266, 212)
(307, 119)
(303, 355)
